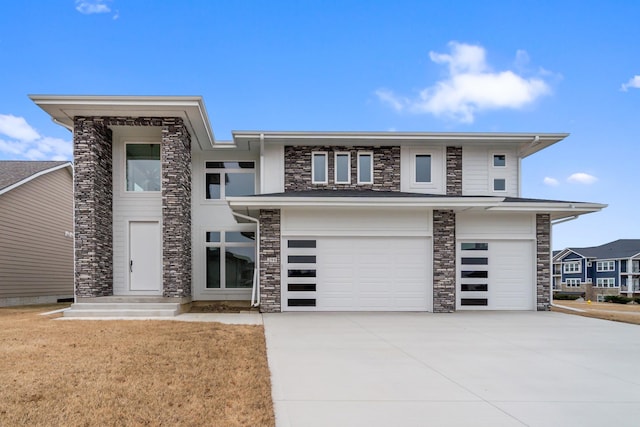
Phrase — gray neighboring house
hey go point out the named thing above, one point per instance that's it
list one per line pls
(36, 232)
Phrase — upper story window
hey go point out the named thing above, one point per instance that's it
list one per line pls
(499, 160)
(143, 167)
(225, 179)
(499, 184)
(343, 168)
(605, 266)
(365, 168)
(319, 168)
(422, 172)
(572, 267)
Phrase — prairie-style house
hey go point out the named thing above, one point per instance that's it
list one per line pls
(301, 221)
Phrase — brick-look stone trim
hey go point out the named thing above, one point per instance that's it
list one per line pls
(444, 261)
(270, 261)
(176, 208)
(454, 171)
(543, 261)
(297, 166)
(93, 208)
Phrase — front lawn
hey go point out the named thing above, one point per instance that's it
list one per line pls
(128, 373)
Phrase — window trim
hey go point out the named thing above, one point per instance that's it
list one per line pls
(494, 185)
(313, 167)
(566, 264)
(610, 282)
(335, 166)
(359, 167)
(493, 160)
(601, 264)
(414, 164)
(573, 283)
(223, 171)
(125, 170)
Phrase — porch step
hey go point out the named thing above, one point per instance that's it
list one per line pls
(128, 309)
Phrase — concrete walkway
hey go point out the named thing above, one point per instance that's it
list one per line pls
(248, 318)
(461, 369)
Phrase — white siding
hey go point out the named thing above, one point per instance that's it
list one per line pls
(495, 225)
(478, 171)
(273, 168)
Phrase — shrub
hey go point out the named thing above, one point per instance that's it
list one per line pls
(570, 297)
(617, 299)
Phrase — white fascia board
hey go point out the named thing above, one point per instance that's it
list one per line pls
(36, 175)
(191, 109)
(549, 207)
(436, 203)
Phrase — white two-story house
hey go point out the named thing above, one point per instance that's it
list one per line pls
(313, 221)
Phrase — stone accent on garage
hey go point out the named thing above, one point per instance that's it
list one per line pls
(93, 208)
(270, 275)
(543, 261)
(176, 208)
(454, 171)
(444, 261)
(386, 168)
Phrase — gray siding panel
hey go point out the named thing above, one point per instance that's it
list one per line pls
(36, 259)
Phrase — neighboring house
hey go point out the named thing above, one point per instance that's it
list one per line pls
(609, 269)
(36, 232)
(322, 221)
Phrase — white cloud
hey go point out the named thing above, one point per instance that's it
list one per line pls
(24, 142)
(551, 181)
(633, 82)
(470, 87)
(89, 7)
(582, 178)
(17, 128)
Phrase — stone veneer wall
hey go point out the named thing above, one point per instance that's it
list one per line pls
(176, 208)
(93, 184)
(270, 295)
(454, 171)
(543, 261)
(444, 261)
(93, 208)
(297, 166)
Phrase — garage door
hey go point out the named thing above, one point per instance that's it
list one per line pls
(496, 275)
(357, 274)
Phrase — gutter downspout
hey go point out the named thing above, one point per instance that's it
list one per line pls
(551, 304)
(255, 291)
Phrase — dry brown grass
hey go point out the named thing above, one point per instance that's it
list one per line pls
(130, 373)
(627, 313)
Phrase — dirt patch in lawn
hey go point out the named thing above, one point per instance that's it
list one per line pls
(222, 307)
(627, 313)
(130, 373)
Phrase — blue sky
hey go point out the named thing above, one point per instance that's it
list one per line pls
(485, 66)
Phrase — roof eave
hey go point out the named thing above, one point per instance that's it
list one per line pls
(8, 188)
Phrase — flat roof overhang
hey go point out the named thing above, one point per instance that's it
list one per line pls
(63, 109)
(556, 209)
(527, 143)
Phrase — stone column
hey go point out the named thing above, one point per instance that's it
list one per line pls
(270, 292)
(543, 261)
(176, 208)
(444, 261)
(93, 207)
(454, 171)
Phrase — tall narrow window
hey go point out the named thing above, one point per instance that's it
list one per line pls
(343, 168)
(423, 168)
(319, 168)
(365, 168)
(143, 167)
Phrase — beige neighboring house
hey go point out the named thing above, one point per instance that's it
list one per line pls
(36, 232)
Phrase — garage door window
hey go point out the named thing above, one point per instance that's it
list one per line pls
(301, 273)
(474, 274)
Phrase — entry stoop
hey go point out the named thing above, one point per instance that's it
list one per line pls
(125, 307)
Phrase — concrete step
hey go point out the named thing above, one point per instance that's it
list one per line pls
(128, 309)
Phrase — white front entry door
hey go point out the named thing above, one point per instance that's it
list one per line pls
(145, 257)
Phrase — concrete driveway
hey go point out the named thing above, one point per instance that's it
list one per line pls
(460, 369)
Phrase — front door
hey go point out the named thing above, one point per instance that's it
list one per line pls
(145, 256)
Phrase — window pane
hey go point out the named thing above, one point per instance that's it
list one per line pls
(499, 184)
(143, 167)
(239, 265)
(213, 185)
(230, 165)
(499, 160)
(364, 168)
(240, 236)
(213, 267)
(301, 244)
(319, 167)
(475, 246)
(213, 236)
(423, 168)
(342, 168)
(474, 261)
(239, 184)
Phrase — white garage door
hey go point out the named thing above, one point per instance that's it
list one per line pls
(496, 275)
(357, 274)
